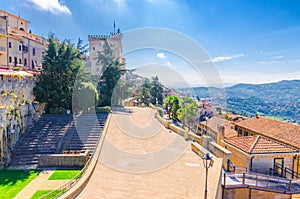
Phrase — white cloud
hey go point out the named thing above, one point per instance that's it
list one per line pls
(161, 55)
(53, 6)
(278, 57)
(120, 3)
(169, 63)
(268, 62)
(260, 52)
(220, 59)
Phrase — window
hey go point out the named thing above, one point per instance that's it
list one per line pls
(33, 51)
(93, 48)
(240, 132)
(25, 62)
(20, 61)
(245, 133)
(10, 59)
(32, 64)
(20, 47)
(16, 61)
(9, 44)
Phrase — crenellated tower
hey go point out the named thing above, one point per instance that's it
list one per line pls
(96, 43)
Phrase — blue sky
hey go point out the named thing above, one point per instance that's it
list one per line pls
(250, 41)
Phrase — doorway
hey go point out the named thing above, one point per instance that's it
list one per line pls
(278, 166)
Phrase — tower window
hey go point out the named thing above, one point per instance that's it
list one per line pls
(9, 44)
(10, 59)
(33, 51)
(20, 47)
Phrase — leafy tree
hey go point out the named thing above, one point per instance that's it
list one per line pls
(83, 48)
(156, 91)
(122, 91)
(85, 97)
(112, 73)
(188, 111)
(172, 105)
(144, 94)
(61, 65)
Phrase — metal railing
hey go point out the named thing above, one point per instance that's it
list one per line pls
(260, 182)
(293, 173)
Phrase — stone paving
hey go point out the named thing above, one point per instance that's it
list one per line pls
(141, 159)
(41, 182)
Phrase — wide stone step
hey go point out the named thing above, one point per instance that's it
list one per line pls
(43, 137)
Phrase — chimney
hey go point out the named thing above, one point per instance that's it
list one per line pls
(257, 116)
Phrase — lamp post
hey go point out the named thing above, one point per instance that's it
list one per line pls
(206, 118)
(208, 162)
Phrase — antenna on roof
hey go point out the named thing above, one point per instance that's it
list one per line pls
(114, 27)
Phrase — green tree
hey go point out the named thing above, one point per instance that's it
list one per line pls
(85, 97)
(156, 91)
(172, 105)
(188, 111)
(144, 93)
(61, 65)
(112, 73)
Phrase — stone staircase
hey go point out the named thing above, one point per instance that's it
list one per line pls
(42, 138)
(53, 133)
(86, 132)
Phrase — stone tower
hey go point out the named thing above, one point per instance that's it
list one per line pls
(96, 43)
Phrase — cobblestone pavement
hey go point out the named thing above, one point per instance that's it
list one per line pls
(148, 166)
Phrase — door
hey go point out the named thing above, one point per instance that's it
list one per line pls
(278, 165)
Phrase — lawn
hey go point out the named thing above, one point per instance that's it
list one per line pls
(13, 181)
(64, 174)
(40, 193)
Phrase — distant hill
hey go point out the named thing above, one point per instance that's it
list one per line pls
(279, 100)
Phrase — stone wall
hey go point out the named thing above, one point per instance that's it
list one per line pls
(206, 143)
(220, 152)
(17, 110)
(63, 160)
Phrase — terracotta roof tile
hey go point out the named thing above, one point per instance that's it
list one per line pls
(259, 145)
(216, 122)
(282, 131)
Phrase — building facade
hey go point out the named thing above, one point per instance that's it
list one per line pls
(19, 48)
(261, 155)
(283, 132)
(21, 55)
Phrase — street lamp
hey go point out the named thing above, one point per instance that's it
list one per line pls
(206, 118)
(207, 162)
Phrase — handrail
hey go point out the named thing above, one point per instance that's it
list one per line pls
(292, 172)
(261, 181)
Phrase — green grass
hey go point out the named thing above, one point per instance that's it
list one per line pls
(40, 193)
(64, 174)
(13, 181)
